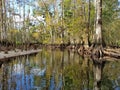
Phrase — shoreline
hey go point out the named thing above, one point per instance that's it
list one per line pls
(12, 54)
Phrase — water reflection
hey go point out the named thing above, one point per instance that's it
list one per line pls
(98, 65)
(59, 70)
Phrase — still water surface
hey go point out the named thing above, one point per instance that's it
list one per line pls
(57, 70)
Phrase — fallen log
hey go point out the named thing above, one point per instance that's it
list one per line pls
(12, 54)
(112, 53)
(112, 50)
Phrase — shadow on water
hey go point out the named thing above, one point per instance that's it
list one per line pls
(59, 70)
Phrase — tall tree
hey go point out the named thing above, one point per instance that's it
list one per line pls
(111, 25)
(98, 28)
(88, 22)
(3, 20)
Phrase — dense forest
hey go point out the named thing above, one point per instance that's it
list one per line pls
(86, 29)
(59, 22)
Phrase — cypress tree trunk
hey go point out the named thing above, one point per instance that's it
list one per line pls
(97, 49)
(88, 22)
(1, 19)
(98, 28)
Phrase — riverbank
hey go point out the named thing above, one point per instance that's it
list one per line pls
(11, 54)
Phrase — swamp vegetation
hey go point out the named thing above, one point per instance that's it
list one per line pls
(78, 40)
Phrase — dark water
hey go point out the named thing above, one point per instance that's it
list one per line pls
(58, 70)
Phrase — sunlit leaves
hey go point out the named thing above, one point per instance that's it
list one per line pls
(111, 22)
(70, 17)
(36, 35)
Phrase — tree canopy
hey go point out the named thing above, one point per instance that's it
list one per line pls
(56, 22)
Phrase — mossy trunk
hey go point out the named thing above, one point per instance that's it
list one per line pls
(97, 49)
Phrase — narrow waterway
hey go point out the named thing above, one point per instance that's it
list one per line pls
(58, 70)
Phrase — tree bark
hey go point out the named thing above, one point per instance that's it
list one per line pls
(88, 24)
(0, 18)
(98, 47)
(98, 29)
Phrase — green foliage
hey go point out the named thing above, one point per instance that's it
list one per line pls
(63, 21)
(111, 22)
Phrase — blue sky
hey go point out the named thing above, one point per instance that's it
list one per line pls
(19, 7)
(30, 5)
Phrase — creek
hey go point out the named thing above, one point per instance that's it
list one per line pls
(57, 70)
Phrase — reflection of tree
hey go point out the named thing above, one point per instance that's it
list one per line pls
(77, 76)
(110, 75)
(69, 57)
(87, 72)
(106, 83)
(0, 63)
(98, 66)
(4, 76)
(112, 70)
(62, 66)
(62, 60)
(64, 71)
